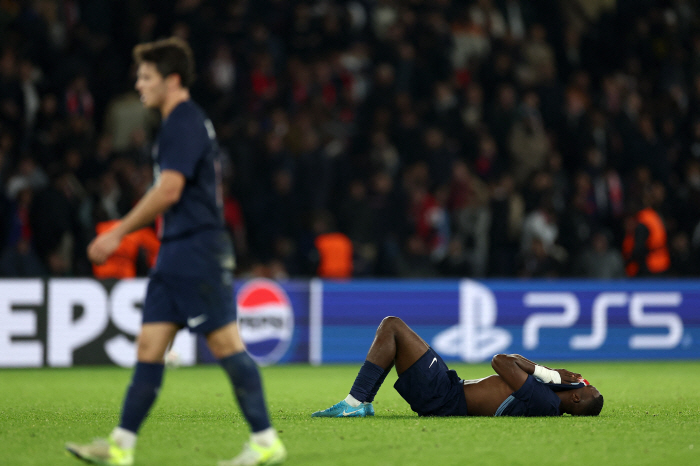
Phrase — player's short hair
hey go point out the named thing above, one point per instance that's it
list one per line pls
(593, 407)
(170, 56)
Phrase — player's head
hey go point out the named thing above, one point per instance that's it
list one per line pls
(586, 401)
(164, 66)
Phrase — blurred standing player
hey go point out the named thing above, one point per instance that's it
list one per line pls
(192, 281)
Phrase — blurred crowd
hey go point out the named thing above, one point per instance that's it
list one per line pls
(483, 138)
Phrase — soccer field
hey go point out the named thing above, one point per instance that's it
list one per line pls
(651, 416)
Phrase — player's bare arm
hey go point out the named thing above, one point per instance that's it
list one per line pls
(566, 376)
(514, 369)
(165, 193)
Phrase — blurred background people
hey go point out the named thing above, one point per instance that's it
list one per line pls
(431, 131)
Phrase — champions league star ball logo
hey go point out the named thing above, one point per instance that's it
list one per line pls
(265, 320)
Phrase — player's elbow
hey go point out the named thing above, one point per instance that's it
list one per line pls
(502, 362)
(172, 197)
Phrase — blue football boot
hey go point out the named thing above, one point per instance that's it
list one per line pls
(343, 409)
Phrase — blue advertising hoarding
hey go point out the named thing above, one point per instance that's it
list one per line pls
(546, 320)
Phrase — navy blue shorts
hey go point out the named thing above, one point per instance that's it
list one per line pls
(431, 388)
(201, 303)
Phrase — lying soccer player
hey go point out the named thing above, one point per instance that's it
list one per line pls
(519, 388)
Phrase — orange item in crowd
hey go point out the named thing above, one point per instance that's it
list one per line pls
(122, 264)
(658, 259)
(335, 251)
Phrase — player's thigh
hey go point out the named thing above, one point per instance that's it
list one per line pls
(225, 341)
(409, 346)
(154, 339)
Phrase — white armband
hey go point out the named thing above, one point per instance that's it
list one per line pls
(546, 375)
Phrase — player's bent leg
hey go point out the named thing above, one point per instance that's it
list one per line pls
(395, 344)
(102, 451)
(408, 347)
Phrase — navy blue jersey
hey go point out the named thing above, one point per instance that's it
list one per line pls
(532, 399)
(194, 241)
(187, 144)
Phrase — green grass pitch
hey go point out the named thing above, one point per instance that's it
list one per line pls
(651, 417)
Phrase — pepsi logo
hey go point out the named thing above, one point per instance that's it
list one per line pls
(265, 320)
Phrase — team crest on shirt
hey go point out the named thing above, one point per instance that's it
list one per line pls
(265, 320)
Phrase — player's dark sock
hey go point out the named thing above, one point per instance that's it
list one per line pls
(370, 374)
(141, 394)
(377, 385)
(247, 386)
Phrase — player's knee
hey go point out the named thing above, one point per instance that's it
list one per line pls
(221, 349)
(497, 360)
(147, 351)
(390, 324)
(225, 342)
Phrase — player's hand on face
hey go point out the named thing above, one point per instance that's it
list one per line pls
(568, 376)
(103, 246)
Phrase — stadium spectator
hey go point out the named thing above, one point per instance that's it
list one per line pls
(540, 224)
(538, 261)
(646, 243)
(599, 260)
(471, 214)
(18, 257)
(335, 251)
(357, 219)
(507, 209)
(683, 262)
(125, 115)
(528, 142)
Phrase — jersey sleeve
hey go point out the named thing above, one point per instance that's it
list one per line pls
(180, 147)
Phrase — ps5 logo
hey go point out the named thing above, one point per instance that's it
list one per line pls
(476, 337)
(637, 304)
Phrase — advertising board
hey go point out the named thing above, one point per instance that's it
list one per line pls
(66, 322)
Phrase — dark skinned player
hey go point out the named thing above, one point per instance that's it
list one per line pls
(520, 387)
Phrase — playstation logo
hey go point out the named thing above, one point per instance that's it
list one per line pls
(476, 338)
